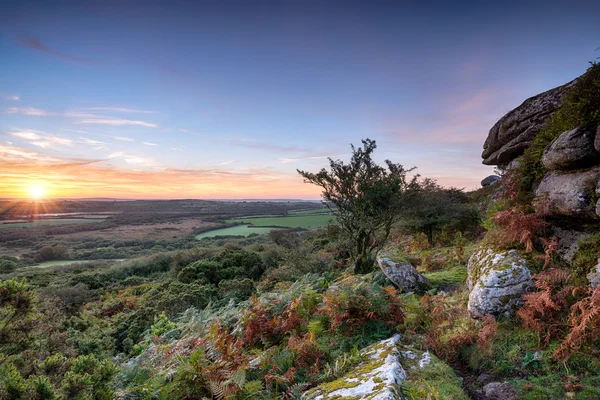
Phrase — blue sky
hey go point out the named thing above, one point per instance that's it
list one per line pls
(226, 99)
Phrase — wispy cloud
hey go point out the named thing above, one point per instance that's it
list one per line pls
(11, 97)
(134, 160)
(122, 138)
(115, 122)
(84, 118)
(285, 160)
(38, 112)
(41, 139)
(121, 110)
(9, 153)
(29, 111)
(149, 144)
(227, 162)
(92, 178)
(37, 45)
(96, 144)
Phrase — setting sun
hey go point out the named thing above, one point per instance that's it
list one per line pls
(37, 191)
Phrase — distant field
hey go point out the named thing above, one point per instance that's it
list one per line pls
(47, 264)
(240, 230)
(300, 221)
(45, 222)
(310, 211)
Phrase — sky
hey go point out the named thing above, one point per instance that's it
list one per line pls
(226, 99)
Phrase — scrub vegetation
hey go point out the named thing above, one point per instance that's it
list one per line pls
(273, 315)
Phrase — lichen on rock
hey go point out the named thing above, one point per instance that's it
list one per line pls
(497, 281)
(403, 275)
(378, 378)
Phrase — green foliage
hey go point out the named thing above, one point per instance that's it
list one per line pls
(587, 256)
(11, 382)
(434, 208)
(48, 253)
(434, 381)
(161, 325)
(580, 109)
(7, 266)
(365, 197)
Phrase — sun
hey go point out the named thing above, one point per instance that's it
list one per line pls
(37, 191)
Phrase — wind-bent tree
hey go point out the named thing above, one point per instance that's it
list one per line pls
(365, 197)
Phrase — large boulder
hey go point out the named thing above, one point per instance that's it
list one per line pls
(379, 377)
(569, 195)
(573, 149)
(490, 180)
(390, 369)
(403, 275)
(514, 132)
(497, 281)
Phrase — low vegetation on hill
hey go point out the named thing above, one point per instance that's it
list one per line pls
(276, 315)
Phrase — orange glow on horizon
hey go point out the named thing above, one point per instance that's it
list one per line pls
(36, 180)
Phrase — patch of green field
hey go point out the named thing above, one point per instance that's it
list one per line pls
(300, 221)
(309, 211)
(239, 230)
(45, 222)
(47, 264)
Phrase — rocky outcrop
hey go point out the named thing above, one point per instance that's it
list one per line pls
(573, 149)
(497, 282)
(569, 195)
(490, 180)
(594, 276)
(403, 275)
(378, 378)
(514, 132)
(389, 366)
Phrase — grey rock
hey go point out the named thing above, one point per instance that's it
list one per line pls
(490, 180)
(572, 150)
(514, 164)
(597, 139)
(499, 391)
(568, 242)
(485, 378)
(594, 276)
(515, 131)
(569, 195)
(403, 275)
(497, 281)
(382, 381)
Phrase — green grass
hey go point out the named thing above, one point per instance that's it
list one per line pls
(310, 211)
(47, 264)
(240, 230)
(433, 381)
(448, 277)
(46, 222)
(301, 221)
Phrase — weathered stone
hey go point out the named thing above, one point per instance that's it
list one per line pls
(378, 378)
(569, 195)
(594, 275)
(572, 150)
(499, 391)
(497, 282)
(388, 367)
(403, 275)
(568, 242)
(514, 132)
(597, 139)
(490, 180)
